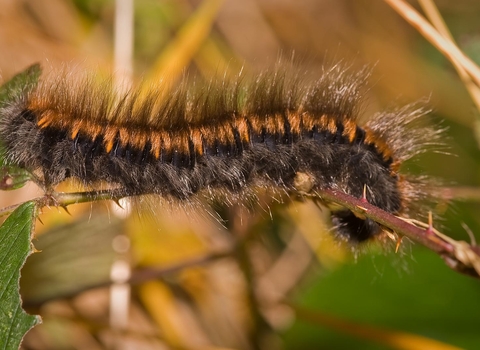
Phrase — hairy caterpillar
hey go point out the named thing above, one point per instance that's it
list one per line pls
(224, 136)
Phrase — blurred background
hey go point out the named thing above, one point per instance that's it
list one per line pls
(215, 277)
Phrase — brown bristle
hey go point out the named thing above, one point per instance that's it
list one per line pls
(349, 129)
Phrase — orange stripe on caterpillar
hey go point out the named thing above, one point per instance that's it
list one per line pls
(349, 130)
(222, 134)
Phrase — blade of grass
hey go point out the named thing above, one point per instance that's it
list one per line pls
(176, 56)
(435, 17)
(389, 338)
(444, 45)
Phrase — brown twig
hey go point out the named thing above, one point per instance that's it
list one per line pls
(459, 255)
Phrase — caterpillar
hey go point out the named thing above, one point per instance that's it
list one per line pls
(224, 136)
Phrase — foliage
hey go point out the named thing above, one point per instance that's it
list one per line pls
(15, 247)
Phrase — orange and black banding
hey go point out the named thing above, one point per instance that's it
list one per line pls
(265, 140)
(224, 139)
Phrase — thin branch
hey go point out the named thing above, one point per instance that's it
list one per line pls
(64, 199)
(459, 255)
(445, 46)
(464, 193)
(435, 17)
(146, 274)
(392, 339)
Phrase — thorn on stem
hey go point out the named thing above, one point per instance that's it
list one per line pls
(64, 207)
(364, 194)
(430, 231)
(117, 202)
(399, 242)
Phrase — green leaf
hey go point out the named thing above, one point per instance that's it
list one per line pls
(20, 83)
(395, 293)
(12, 177)
(74, 257)
(15, 247)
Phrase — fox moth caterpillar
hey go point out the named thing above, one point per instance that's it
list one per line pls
(225, 136)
